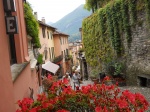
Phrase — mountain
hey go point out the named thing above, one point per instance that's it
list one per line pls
(71, 23)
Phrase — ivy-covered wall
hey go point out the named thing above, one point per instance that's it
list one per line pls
(119, 31)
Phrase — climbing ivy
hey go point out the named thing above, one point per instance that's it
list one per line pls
(110, 24)
(132, 11)
(96, 41)
(89, 41)
(116, 16)
(147, 8)
(126, 23)
(32, 26)
(104, 31)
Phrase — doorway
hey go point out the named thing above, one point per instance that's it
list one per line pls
(142, 81)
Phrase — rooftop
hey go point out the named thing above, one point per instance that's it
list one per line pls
(40, 22)
(60, 33)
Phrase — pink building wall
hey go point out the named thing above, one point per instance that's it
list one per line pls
(12, 91)
(21, 37)
(6, 95)
(61, 46)
(25, 80)
(64, 46)
(57, 45)
(35, 82)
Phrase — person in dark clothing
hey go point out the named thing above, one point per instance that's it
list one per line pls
(70, 75)
(102, 76)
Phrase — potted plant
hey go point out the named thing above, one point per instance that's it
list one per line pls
(116, 69)
(40, 59)
(94, 75)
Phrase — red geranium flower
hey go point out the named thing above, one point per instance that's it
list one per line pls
(98, 109)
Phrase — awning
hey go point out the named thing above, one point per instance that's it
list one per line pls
(51, 67)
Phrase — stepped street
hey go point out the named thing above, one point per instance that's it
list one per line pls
(143, 90)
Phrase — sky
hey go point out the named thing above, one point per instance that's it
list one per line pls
(54, 10)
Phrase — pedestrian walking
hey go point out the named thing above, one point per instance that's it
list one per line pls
(76, 79)
(70, 75)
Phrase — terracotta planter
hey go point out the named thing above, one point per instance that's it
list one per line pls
(96, 81)
(110, 82)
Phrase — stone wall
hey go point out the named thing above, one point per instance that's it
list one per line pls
(138, 54)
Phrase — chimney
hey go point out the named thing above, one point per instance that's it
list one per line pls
(43, 19)
(35, 15)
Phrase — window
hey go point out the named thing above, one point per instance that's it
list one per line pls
(67, 53)
(50, 53)
(45, 54)
(51, 35)
(60, 41)
(64, 53)
(52, 50)
(12, 50)
(48, 34)
(43, 32)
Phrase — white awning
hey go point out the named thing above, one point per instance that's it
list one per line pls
(51, 67)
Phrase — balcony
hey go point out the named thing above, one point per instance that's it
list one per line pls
(57, 59)
(68, 57)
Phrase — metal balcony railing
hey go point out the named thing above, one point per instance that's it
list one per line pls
(57, 59)
(68, 57)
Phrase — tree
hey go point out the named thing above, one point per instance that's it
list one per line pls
(91, 4)
(95, 4)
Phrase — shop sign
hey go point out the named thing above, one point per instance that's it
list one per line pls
(11, 24)
(11, 21)
(9, 5)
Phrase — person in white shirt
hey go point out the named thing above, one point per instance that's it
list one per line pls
(76, 77)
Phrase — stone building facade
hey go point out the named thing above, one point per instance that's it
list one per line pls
(138, 54)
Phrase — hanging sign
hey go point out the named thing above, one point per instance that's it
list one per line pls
(9, 5)
(11, 21)
(11, 24)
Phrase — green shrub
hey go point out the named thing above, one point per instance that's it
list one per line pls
(40, 59)
(32, 26)
(94, 73)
